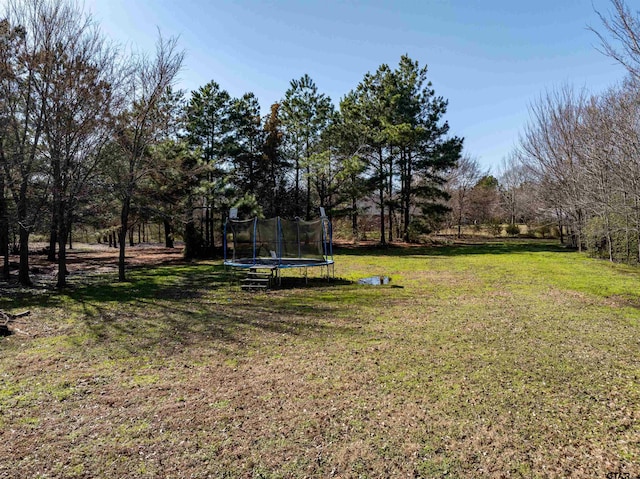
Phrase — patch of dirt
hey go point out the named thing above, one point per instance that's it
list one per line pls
(95, 259)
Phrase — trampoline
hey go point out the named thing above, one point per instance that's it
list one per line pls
(278, 243)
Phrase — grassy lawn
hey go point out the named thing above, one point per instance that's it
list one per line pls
(508, 359)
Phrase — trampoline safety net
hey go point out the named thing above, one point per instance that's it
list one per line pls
(278, 242)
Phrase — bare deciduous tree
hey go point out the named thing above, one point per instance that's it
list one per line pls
(460, 182)
(82, 90)
(549, 152)
(140, 124)
(621, 38)
(25, 86)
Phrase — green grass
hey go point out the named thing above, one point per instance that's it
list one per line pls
(509, 359)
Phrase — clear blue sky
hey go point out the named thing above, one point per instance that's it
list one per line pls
(490, 58)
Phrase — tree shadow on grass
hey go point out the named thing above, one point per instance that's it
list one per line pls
(173, 281)
(147, 325)
(167, 308)
(104, 292)
(163, 282)
(457, 249)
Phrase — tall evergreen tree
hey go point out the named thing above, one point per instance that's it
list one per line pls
(405, 140)
(208, 128)
(364, 111)
(305, 115)
(246, 144)
(274, 164)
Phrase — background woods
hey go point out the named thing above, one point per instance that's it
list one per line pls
(97, 139)
(94, 138)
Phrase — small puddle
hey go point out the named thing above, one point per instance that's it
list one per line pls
(375, 280)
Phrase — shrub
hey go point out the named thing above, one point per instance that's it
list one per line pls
(544, 231)
(419, 226)
(495, 228)
(513, 229)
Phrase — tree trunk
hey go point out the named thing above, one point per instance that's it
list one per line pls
(168, 237)
(24, 233)
(389, 183)
(53, 236)
(207, 224)
(190, 233)
(213, 231)
(62, 254)
(354, 220)
(23, 269)
(4, 230)
(381, 188)
(131, 243)
(124, 226)
(390, 211)
(297, 186)
(627, 227)
(407, 197)
(637, 225)
(560, 229)
(59, 218)
(609, 239)
(579, 228)
(308, 209)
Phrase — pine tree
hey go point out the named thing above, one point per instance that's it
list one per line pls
(305, 114)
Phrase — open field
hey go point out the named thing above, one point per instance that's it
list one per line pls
(509, 359)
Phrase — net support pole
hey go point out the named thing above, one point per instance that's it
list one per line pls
(225, 245)
(255, 234)
(298, 238)
(279, 239)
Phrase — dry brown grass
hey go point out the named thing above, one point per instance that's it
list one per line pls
(467, 365)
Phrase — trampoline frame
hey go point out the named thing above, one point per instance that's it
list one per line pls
(278, 262)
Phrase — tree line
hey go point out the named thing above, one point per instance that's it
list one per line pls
(576, 168)
(582, 151)
(93, 135)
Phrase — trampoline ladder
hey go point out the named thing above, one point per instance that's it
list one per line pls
(256, 280)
